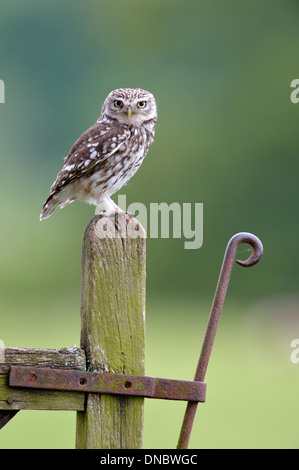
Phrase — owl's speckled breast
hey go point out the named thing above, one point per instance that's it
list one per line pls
(110, 175)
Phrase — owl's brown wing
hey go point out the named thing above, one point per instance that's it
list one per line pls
(94, 146)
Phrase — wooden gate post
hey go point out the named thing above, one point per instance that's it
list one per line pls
(112, 329)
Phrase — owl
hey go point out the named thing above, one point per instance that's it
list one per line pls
(107, 154)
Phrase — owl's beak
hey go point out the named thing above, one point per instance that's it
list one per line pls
(129, 112)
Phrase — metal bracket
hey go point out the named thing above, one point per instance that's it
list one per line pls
(100, 382)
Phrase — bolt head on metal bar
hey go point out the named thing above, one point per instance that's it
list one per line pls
(98, 382)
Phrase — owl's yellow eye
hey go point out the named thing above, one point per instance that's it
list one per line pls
(141, 104)
(118, 104)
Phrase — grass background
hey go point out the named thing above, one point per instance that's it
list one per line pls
(251, 383)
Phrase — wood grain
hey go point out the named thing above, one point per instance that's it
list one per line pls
(13, 399)
(112, 330)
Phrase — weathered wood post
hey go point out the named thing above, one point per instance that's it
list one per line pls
(113, 329)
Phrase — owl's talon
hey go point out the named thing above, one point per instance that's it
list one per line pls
(116, 221)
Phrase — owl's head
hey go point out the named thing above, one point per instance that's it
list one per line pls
(130, 106)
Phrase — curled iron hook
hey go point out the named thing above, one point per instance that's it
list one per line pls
(219, 297)
(255, 243)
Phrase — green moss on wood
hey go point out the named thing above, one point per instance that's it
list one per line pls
(113, 333)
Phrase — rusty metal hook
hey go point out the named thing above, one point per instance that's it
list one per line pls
(219, 297)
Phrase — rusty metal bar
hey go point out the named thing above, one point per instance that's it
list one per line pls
(98, 382)
(223, 281)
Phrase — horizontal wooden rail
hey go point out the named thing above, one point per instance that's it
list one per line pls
(12, 400)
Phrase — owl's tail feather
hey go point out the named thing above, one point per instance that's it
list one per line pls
(58, 198)
(50, 205)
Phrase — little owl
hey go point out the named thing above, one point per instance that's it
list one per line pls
(108, 154)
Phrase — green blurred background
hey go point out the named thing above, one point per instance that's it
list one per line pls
(227, 136)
